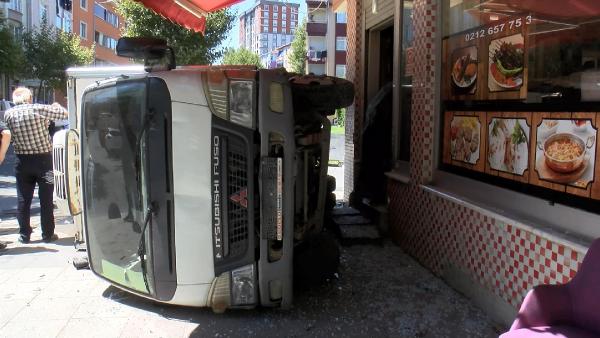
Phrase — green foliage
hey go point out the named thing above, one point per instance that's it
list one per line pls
(49, 52)
(297, 57)
(241, 56)
(11, 54)
(190, 47)
(340, 114)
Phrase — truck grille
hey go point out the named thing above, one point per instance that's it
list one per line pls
(58, 164)
(237, 192)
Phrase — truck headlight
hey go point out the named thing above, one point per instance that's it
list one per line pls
(243, 291)
(241, 103)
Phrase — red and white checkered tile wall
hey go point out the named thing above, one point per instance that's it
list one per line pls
(505, 258)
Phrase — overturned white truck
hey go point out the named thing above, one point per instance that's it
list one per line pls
(194, 185)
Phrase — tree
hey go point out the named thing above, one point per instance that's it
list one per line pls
(11, 54)
(190, 47)
(298, 55)
(49, 52)
(241, 56)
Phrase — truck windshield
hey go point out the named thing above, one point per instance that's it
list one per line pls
(114, 182)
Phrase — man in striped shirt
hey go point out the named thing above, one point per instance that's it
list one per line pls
(28, 124)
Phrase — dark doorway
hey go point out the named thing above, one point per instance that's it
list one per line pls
(377, 127)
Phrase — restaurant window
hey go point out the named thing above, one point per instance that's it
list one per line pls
(520, 96)
(407, 63)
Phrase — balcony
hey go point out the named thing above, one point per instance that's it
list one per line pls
(316, 29)
(316, 56)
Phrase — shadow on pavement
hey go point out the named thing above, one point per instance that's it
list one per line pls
(25, 250)
(63, 241)
(9, 231)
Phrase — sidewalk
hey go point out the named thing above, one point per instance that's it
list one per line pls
(380, 291)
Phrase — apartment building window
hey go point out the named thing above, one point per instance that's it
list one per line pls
(275, 15)
(15, 5)
(106, 15)
(83, 29)
(340, 71)
(340, 43)
(340, 17)
(293, 24)
(274, 29)
(293, 16)
(266, 22)
(283, 23)
(283, 16)
(275, 8)
(83, 4)
(266, 7)
(266, 14)
(274, 23)
(105, 41)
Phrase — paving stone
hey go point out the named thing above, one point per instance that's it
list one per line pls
(149, 326)
(359, 234)
(10, 308)
(48, 308)
(100, 307)
(33, 328)
(352, 220)
(344, 211)
(93, 327)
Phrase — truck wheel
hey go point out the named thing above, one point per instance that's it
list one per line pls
(315, 260)
(324, 94)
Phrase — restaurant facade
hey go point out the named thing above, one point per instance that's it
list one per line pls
(475, 123)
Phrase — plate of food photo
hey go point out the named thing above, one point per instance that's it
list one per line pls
(464, 71)
(507, 59)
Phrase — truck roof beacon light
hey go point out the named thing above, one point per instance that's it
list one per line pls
(151, 50)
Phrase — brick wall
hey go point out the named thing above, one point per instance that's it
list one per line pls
(354, 73)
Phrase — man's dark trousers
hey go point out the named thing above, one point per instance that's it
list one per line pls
(29, 170)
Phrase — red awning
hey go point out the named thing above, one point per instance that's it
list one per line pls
(190, 14)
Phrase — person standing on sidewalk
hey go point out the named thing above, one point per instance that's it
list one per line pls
(28, 124)
(4, 143)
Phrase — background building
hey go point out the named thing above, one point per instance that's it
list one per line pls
(325, 39)
(98, 22)
(267, 26)
(92, 21)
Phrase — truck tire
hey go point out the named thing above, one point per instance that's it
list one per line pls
(324, 94)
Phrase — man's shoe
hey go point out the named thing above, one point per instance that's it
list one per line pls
(23, 239)
(49, 239)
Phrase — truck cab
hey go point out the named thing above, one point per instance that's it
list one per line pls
(194, 185)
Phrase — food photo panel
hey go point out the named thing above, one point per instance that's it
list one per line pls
(506, 64)
(508, 145)
(566, 151)
(463, 75)
(465, 135)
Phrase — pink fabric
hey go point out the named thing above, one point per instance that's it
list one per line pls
(549, 332)
(573, 308)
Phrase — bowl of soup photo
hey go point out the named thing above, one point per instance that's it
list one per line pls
(564, 153)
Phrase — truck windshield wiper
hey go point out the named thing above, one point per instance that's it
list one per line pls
(152, 208)
(138, 142)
